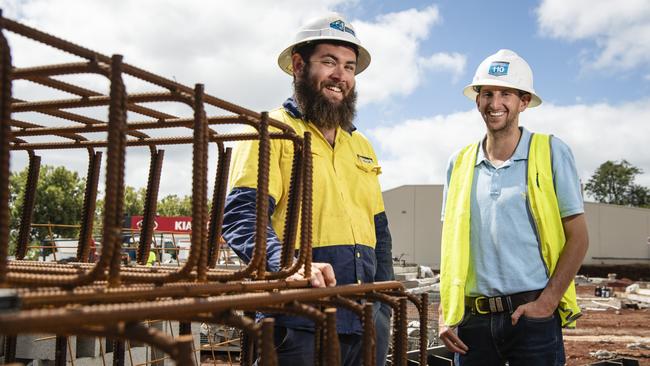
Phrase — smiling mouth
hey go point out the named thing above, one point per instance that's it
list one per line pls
(334, 88)
(496, 114)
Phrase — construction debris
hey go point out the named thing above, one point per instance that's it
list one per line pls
(638, 345)
(602, 354)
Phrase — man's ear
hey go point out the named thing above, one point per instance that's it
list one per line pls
(297, 63)
(525, 100)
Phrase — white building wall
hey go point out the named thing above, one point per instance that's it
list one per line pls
(617, 234)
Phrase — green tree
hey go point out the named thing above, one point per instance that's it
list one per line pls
(613, 182)
(639, 196)
(172, 205)
(59, 200)
(134, 201)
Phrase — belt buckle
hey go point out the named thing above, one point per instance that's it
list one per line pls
(477, 307)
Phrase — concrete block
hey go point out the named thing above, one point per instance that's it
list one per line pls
(407, 276)
(87, 347)
(41, 346)
(405, 269)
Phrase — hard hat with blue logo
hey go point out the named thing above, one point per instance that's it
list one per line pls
(331, 27)
(504, 68)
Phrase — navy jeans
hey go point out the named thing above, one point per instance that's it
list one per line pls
(295, 347)
(492, 340)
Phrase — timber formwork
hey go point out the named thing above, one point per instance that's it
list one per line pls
(109, 299)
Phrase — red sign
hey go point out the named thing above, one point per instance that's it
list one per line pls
(165, 223)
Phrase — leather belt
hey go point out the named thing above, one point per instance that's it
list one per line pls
(498, 304)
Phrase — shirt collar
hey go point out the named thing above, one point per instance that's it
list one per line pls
(291, 106)
(521, 152)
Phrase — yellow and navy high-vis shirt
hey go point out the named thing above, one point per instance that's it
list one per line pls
(350, 229)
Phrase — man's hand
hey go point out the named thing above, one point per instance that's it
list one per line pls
(449, 336)
(322, 275)
(535, 309)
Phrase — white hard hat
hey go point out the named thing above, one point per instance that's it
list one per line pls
(331, 27)
(504, 68)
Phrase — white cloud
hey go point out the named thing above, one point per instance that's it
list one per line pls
(621, 30)
(454, 63)
(417, 151)
(397, 66)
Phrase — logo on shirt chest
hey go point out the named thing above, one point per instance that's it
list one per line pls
(365, 159)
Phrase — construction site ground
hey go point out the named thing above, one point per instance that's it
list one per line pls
(622, 333)
(625, 332)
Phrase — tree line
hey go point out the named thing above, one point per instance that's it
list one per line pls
(60, 195)
(59, 201)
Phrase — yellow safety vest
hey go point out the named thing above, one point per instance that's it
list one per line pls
(152, 258)
(456, 228)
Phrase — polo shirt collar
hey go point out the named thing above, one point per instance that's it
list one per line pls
(521, 152)
(291, 106)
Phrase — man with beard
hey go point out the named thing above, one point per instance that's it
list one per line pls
(351, 241)
(514, 232)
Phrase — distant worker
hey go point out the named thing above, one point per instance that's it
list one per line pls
(514, 233)
(151, 259)
(351, 240)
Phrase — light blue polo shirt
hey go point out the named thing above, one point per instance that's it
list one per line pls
(505, 257)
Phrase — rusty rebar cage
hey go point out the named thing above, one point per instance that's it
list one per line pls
(112, 300)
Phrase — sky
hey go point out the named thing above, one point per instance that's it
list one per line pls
(590, 59)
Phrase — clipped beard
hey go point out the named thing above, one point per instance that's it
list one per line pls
(316, 108)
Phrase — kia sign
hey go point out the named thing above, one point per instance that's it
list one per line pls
(181, 224)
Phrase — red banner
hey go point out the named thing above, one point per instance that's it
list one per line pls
(165, 223)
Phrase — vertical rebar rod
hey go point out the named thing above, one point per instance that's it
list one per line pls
(262, 199)
(399, 354)
(247, 344)
(307, 204)
(183, 354)
(114, 198)
(424, 334)
(369, 346)
(293, 209)
(218, 204)
(184, 328)
(268, 356)
(200, 191)
(29, 199)
(90, 199)
(118, 352)
(60, 351)
(10, 349)
(332, 346)
(150, 205)
(5, 140)
(198, 246)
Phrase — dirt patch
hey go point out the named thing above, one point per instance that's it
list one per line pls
(624, 332)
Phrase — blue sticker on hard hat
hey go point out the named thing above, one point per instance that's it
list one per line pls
(499, 68)
(340, 25)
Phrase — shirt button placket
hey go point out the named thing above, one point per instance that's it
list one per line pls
(358, 265)
(495, 184)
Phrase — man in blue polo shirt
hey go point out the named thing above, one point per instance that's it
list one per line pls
(514, 233)
(351, 241)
